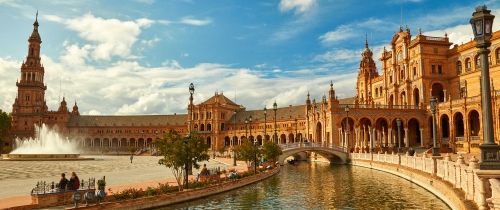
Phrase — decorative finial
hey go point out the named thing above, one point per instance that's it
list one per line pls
(366, 40)
(419, 31)
(331, 84)
(445, 34)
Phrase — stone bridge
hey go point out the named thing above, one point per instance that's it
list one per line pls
(334, 154)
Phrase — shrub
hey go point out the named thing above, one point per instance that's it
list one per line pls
(150, 191)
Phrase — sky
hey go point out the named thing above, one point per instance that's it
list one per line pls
(137, 57)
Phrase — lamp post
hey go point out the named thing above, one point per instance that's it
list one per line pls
(250, 121)
(296, 129)
(346, 109)
(191, 92)
(189, 170)
(187, 162)
(435, 149)
(398, 123)
(246, 128)
(265, 123)
(482, 22)
(254, 144)
(232, 141)
(275, 108)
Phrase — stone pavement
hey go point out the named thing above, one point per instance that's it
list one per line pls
(19, 177)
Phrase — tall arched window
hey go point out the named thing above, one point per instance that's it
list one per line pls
(459, 67)
(497, 55)
(477, 64)
(468, 65)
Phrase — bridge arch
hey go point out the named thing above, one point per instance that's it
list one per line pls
(334, 155)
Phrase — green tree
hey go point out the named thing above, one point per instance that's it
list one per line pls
(5, 123)
(271, 150)
(247, 152)
(178, 152)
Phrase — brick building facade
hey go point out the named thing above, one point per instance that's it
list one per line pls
(413, 70)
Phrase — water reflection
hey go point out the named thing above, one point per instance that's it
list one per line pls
(324, 186)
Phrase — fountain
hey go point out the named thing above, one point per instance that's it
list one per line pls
(47, 145)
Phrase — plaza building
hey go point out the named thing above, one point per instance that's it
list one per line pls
(390, 108)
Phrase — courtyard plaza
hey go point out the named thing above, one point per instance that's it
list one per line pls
(17, 178)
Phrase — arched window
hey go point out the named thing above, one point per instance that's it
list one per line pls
(467, 64)
(477, 64)
(497, 55)
(459, 67)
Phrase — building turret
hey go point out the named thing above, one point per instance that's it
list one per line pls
(367, 72)
(75, 110)
(63, 107)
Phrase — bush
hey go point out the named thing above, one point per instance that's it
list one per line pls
(165, 188)
(150, 191)
(130, 193)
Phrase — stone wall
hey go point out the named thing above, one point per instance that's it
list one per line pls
(460, 185)
(187, 195)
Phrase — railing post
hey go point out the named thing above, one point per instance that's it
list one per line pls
(473, 164)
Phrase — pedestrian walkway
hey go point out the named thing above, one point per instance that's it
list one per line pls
(120, 174)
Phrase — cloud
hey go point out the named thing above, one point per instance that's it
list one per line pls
(195, 22)
(462, 33)
(107, 37)
(299, 6)
(9, 69)
(340, 33)
(356, 29)
(127, 87)
(145, 1)
(337, 55)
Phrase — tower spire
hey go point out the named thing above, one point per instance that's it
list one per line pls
(366, 40)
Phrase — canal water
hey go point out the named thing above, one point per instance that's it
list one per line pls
(318, 185)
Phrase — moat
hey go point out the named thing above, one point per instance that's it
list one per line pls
(320, 185)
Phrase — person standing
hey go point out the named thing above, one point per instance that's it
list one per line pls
(63, 182)
(74, 182)
(131, 158)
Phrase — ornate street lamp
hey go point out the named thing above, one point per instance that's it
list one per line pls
(398, 123)
(482, 23)
(191, 92)
(346, 109)
(275, 108)
(265, 123)
(435, 149)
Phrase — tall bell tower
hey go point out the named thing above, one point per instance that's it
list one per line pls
(29, 106)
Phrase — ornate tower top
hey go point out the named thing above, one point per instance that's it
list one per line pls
(35, 36)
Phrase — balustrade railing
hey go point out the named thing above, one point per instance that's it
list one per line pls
(379, 106)
(44, 187)
(477, 185)
(312, 144)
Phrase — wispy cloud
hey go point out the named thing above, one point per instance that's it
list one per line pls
(299, 6)
(304, 18)
(195, 22)
(356, 29)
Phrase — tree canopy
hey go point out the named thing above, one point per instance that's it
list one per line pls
(247, 151)
(177, 151)
(271, 150)
(5, 123)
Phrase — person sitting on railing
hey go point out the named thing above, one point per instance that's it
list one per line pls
(63, 182)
